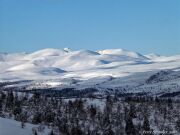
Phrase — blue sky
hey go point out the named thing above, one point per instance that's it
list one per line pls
(144, 26)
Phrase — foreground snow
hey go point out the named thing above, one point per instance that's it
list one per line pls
(12, 127)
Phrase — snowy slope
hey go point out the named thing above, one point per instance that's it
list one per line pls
(152, 56)
(12, 127)
(122, 52)
(84, 68)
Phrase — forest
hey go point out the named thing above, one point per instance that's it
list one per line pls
(93, 116)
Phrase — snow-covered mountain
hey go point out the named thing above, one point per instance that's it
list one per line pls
(123, 53)
(110, 68)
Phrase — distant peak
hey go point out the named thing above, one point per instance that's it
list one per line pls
(67, 49)
(122, 52)
(152, 55)
(87, 52)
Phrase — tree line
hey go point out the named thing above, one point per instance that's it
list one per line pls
(80, 116)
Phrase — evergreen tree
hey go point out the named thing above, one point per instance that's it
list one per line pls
(130, 129)
(37, 118)
(76, 131)
(1, 107)
(146, 126)
(109, 132)
(10, 100)
(35, 133)
(51, 133)
(22, 124)
(92, 112)
(177, 126)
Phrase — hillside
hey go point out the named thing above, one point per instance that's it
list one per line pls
(119, 69)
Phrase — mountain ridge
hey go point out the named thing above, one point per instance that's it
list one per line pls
(103, 70)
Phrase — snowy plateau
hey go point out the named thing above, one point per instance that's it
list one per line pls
(91, 72)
